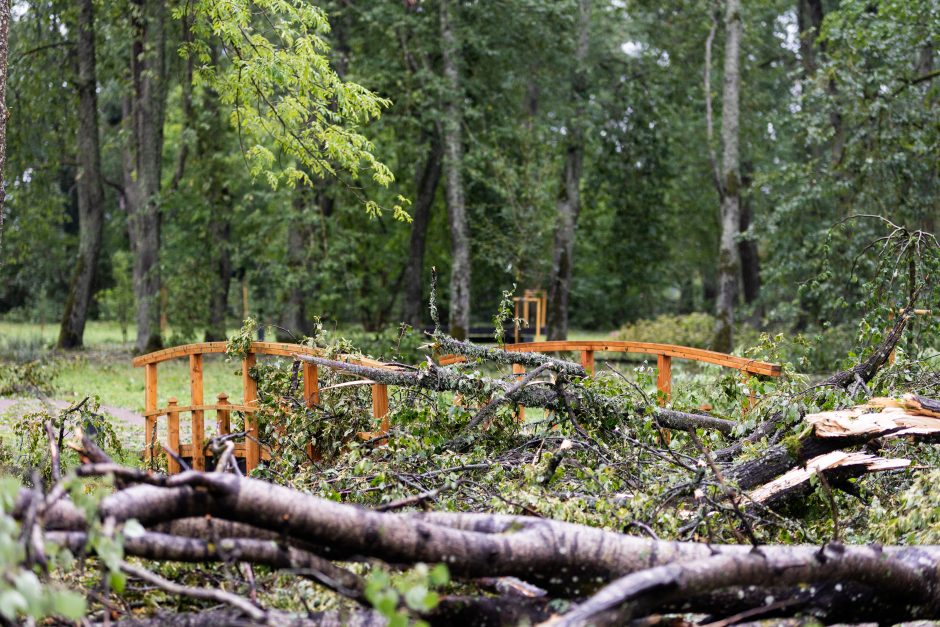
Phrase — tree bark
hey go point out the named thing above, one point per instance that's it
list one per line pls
(414, 272)
(294, 318)
(569, 201)
(747, 249)
(4, 112)
(729, 262)
(143, 158)
(809, 14)
(88, 184)
(211, 144)
(453, 178)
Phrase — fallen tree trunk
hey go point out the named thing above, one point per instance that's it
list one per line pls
(566, 559)
(437, 379)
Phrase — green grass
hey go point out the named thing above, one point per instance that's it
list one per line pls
(116, 382)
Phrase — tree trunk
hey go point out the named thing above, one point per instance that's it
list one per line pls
(569, 201)
(4, 112)
(453, 179)
(88, 183)
(211, 146)
(414, 272)
(747, 248)
(729, 262)
(294, 317)
(143, 157)
(809, 20)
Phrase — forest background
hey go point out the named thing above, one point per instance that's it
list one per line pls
(587, 148)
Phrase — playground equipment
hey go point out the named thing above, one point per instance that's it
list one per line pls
(540, 300)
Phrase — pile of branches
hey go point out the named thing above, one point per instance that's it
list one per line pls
(603, 577)
(512, 569)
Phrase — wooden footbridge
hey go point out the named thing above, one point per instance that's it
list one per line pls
(253, 451)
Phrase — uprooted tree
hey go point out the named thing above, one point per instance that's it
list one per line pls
(605, 507)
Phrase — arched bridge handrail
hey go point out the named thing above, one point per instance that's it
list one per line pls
(751, 366)
(282, 349)
(197, 407)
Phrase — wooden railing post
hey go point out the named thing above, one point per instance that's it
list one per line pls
(587, 360)
(197, 416)
(150, 404)
(519, 369)
(252, 445)
(223, 421)
(664, 377)
(380, 406)
(311, 384)
(172, 435)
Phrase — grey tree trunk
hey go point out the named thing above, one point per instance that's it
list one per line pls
(4, 112)
(729, 262)
(569, 200)
(143, 156)
(453, 181)
(414, 272)
(88, 184)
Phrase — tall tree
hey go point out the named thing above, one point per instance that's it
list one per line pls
(729, 261)
(88, 183)
(4, 113)
(428, 179)
(453, 179)
(144, 108)
(569, 200)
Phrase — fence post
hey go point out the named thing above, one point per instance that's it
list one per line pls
(519, 369)
(664, 377)
(587, 360)
(252, 445)
(197, 416)
(380, 406)
(223, 421)
(150, 404)
(172, 435)
(311, 384)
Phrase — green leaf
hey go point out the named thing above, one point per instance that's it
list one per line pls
(68, 604)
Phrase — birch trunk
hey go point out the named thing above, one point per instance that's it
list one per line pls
(453, 180)
(143, 156)
(729, 262)
(88, 184)
(569, 201)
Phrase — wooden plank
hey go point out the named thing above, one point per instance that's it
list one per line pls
(519, 371)
(587, 361)
(252, 445)
(664, 377)
(172, 435)
(186, 451)
(380, 406)
(150, 403)
(197, 417)
(311, 384)
(161, 411)
(223, 420)
(282, 349)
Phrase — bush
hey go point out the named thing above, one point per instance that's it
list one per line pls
(695, 330)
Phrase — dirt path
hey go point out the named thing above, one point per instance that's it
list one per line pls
(24, 405)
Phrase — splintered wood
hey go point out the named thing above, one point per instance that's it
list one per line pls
(884, 417)
(910, 415)
(860, 462)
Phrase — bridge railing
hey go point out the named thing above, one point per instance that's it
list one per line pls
(251, 450)
(664, 356)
